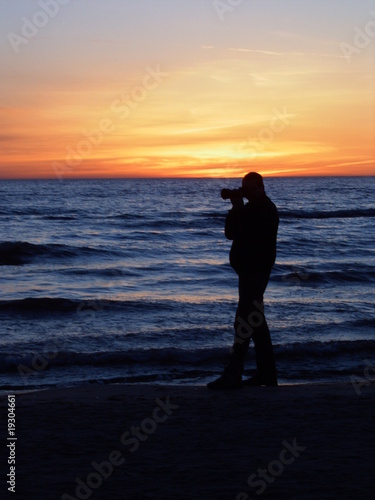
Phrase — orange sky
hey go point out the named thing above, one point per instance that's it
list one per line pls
(184, 90)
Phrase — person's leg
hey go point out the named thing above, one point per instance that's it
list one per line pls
(243, 333)
(251, 323)
(266, 368)
(248, 317)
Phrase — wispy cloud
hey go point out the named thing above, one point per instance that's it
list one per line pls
(266, 52)
(287, 53)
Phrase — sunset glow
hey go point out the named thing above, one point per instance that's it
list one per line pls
(118, 88)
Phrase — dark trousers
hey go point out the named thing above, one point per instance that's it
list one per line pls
(250, 323)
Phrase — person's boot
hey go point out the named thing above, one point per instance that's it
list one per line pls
(228, 380)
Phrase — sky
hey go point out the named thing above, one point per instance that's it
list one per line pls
(186, 88)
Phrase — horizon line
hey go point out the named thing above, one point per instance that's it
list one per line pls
(174, 177)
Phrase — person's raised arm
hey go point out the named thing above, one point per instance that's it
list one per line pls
(233, 219)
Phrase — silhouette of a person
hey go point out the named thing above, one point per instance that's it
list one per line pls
(253, 231)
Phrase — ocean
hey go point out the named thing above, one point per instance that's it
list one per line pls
(128, 280)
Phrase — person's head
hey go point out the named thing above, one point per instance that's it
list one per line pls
(252, 186)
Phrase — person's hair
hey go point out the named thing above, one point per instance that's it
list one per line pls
(254, 178)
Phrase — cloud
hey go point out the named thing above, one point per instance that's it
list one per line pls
(284, 54)
(266, 52)
(7, 138)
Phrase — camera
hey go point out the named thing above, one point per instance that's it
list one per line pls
(231, 194)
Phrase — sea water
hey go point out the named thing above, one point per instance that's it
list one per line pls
(128, 280)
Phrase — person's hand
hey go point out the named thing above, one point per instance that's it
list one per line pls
(237, 202)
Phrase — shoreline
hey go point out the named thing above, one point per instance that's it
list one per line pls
(165, 441)
(77, 385)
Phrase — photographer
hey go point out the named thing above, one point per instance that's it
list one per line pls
(253, 230)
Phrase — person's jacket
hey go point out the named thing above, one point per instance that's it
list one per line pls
(253, 229)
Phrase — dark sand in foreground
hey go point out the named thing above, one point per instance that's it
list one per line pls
(312, 442)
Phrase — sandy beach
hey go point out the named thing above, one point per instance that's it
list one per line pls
(166, 442)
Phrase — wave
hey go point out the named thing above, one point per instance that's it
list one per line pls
(353, 273)
(168, 220)
(334, 214)
(352, 276)
(18, 253)
(111, 272)
(323, 350)
(44, 304)
(60, 217)
(307, 354)
(42, 213)
(166, 356)
(50, 305)
(200, 356)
